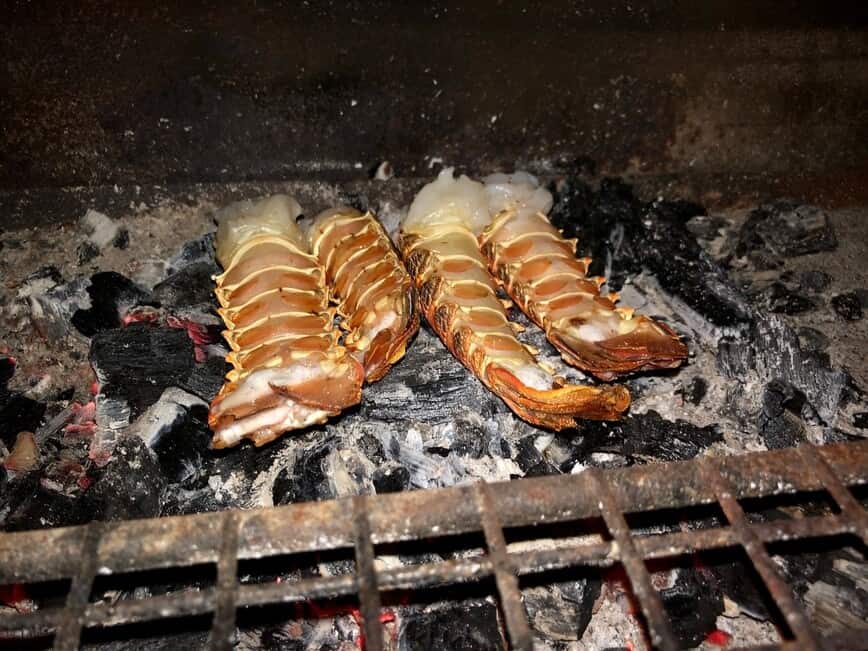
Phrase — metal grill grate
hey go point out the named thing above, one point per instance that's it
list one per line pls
(222, 539)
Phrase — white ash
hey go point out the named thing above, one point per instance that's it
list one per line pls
(100, 229)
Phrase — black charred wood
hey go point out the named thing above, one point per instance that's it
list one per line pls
(131, 485)
(111, 294)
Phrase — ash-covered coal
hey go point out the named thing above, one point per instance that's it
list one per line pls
(561, 610)
(784, 229)
(471, 626)
(130, 486)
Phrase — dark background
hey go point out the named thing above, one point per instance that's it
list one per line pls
(721, 100)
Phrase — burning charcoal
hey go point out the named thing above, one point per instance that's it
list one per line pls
(779, 422)
(624, 236)
(191, 285)
(111, 295)
(784, 230)
(562, 611)
(470, 627)
(131, 484)
(139, 362)
(391, 478)
(784, 301)
(307, 481)
(646, 436)
(847, 306)
(693, 604)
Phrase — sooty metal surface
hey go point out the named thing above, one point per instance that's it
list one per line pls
(360, 523)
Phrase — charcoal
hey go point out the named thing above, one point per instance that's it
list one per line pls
(693, 604)
(130, 486)
(7, 370)
(53, 302)
(812, 340)
(206, 378)
(391, 478)
(33, 506)
(306, 481)
(705, 227)
(470, 627)
(625, 236)
(847, 306)
(111, 295)
(695, 390)
(782, 300)
(860, 419)
(122, 239)
(191, 285)
(18, 413)
(780, 425)
(429, 385)
(371, 448)
(86, 252)
(161, 418)
(563, 610)
(644, 436)
(784, 229)
(139, 362)
(814, 281)
(192, 252)
(184, 450)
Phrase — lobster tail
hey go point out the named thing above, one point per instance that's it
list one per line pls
(373, 291)
(458, 297)
(288, 370)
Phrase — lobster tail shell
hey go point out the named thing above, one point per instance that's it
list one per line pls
(288, 370)
(459, 299)
(373, 291)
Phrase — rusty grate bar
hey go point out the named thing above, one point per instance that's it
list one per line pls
(224, 539)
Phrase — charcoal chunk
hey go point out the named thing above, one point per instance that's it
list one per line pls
(86, 252)
(139, 362)
(131, 484)
(470, 627)
(206, 378)
(784, 229)
(814, 281)
(111, 295)
(782, 300)
(561, 611)
(306, 481)
(848, 306)
(36, 507)
(860, 419)
(18, 413)
(779, 423)
(812, 340)
(391, 478)
(693, 604)
(191, 285)
(645, 436)
(695, 390)
(182, 452)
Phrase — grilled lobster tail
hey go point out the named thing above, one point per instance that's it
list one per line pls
(370, 284)
(288, 369)
(458, 297)
(540, 272)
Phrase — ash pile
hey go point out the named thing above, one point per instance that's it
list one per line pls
(138, 445)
